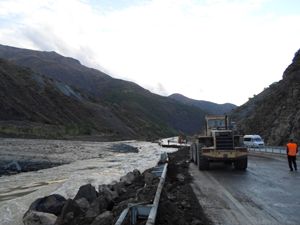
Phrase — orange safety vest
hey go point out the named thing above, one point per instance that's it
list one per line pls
(292, 149)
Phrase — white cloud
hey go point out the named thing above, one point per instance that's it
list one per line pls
(221, 51)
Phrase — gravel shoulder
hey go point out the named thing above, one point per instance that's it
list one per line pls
(178, 203)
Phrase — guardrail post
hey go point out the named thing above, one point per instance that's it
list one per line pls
(144, 211)
(153, 211)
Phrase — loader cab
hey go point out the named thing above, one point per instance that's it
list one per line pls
(214, 123)
(220, 133)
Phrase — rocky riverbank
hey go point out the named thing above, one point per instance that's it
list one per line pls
(103, 206)
(13, 167)
(90, 206)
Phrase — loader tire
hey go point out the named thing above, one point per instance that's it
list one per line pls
(241, 164)
(194, 154)
(203, 164)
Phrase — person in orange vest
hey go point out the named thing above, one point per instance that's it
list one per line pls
(292, 150)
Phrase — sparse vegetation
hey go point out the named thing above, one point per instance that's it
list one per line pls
(274, 113)
(106, 107)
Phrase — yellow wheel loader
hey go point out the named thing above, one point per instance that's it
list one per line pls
(219, 144)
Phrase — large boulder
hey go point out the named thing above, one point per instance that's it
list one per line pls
(119, 187)
(71, 214)
(83, 204)
(105, 218)
(50, 204)
(128, 178)
(88, 192)
(38, 218)
(107, 191)
(149, 178)
(98, 206)
(136, 173)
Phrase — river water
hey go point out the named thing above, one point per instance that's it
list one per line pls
(83, 162)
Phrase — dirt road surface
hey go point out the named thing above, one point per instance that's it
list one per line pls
(266, 194)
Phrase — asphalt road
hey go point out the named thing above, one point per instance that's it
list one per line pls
(267, 193)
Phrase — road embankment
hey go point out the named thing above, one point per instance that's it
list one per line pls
(91, 205)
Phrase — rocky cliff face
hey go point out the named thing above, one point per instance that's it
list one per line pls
(275, 112)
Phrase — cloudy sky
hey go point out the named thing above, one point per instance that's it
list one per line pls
(215, 50)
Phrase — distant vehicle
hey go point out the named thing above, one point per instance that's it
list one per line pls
(253, 141)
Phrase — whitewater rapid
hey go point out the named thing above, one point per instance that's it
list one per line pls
(88, 162)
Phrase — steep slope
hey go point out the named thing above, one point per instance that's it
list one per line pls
(275, 112)
(53, 65)
(144, 113)
(209, 107)
(36, 106)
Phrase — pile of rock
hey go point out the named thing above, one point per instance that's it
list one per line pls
(178, 203)
(93, 207)
(13, 167)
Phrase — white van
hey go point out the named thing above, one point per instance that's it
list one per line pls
(254, 141)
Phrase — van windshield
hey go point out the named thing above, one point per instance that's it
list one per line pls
(258, 139)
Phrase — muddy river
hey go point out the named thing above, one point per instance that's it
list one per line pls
(80, 162)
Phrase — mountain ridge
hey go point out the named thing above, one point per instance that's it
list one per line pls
(36, 106)
(145, 114)
(209, 107)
